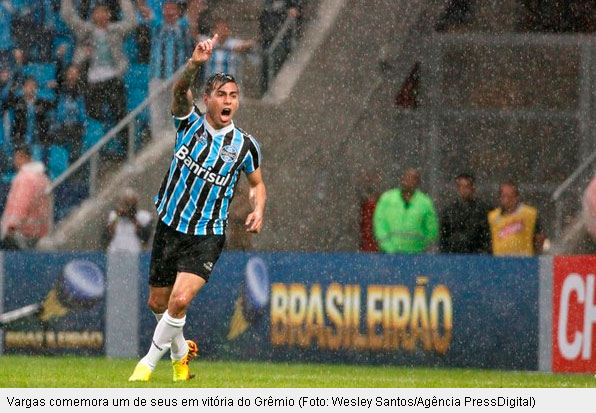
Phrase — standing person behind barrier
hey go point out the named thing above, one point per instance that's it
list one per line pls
(272, 18)
(68, 127)
(171, 43)
(405, 220)
(464, 223)
(515, 227)
(31, 120)
(100, 41)
(129, 227)
(192, 204)
(27, 215)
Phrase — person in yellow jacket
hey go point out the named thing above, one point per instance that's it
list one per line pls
(514, 226)
(405, 220)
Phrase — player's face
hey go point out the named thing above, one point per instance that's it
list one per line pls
(222, 104)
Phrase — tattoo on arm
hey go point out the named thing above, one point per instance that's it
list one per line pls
(182, 103)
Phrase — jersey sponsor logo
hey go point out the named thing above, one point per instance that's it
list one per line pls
(228, 153)
(511, 229)
(203, 138)
(183, 154)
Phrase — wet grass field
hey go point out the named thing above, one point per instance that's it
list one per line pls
(21, 371)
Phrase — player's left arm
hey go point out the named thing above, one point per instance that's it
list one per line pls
(257, 195)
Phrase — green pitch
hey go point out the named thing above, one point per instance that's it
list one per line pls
(101, 372)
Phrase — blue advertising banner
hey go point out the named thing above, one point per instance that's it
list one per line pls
(424, 310)
(53, 303)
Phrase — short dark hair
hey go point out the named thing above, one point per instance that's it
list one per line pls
(512, 184)
(220, 77)
(466, 175)
(23, 148)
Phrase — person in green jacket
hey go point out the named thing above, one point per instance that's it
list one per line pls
(405, 220)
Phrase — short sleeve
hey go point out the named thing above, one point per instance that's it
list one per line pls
(181, 122)
(253, 157)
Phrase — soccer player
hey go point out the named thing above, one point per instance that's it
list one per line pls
(192, 205)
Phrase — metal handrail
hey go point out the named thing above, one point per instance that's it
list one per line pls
(92, 152)
(288, 24)
(561, 189)
(573, 177)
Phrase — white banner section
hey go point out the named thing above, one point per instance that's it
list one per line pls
(175, 400)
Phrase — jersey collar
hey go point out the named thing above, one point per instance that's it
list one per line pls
(217, 132)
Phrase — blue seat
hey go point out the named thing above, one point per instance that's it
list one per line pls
(137, 77)
(58, 160)
(95, 131)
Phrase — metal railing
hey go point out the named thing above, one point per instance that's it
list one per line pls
(288, 27)
(92, 155)
(563, 189)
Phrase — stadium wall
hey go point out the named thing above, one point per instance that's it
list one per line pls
(426, 310)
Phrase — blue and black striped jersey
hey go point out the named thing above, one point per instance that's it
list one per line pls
(196, 192)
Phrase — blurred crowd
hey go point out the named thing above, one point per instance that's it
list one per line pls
(70, 70)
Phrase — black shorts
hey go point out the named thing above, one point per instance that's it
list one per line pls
(174, 252)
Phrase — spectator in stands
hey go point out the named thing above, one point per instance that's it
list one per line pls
(200, 17)
(271, 20)
(31, 119)
(100, 42)
(7, 11)
(515, 227)
(171, 44)
(6, 87)
(128, 227)
(405, 220)
(84, 8)
(226, 52)
(27, 214)
(464, 223)
(68, 127)
(37, 44)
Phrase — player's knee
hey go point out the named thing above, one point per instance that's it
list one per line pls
(179, 302)
(156, 305)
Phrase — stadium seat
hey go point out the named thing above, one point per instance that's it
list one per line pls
(137, 76)
(58, 160)
(95, 131)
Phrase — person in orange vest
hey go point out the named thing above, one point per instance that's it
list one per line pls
(514, 226)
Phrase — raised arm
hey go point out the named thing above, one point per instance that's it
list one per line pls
(182, 96)
(72, 19)
(128, 21)
(257, 196)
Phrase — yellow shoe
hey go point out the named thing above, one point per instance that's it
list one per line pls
(180, 367)
(142, 373)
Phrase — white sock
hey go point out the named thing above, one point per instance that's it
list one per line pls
(165, 331)
(179, 348)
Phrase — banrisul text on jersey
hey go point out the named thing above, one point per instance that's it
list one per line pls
(196, 192)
